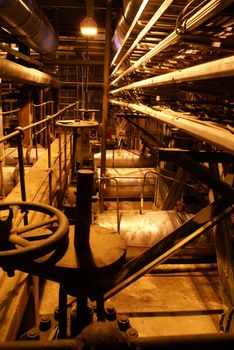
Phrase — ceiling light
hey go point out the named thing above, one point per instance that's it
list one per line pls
(88, 26)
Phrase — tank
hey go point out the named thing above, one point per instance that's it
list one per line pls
(124, 159)
(130, 182)
(28, 153)
(142, 230)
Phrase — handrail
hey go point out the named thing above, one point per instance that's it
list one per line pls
(10, 112)
(46, 127)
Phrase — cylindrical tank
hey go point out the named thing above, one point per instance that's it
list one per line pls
(28, 153)
(10, 178)
(130, 182)
(124, 159)
(142, 230)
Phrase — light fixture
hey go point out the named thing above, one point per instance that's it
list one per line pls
(88, 26)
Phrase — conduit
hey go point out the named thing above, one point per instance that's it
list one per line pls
(206, 12)
(221, 68)
(28, 22)
(15, 71)
(206, 133)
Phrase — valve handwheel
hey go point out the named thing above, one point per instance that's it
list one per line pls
(29, 231)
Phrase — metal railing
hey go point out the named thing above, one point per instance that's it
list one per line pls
(46, 128)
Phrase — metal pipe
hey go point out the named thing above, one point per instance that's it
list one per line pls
(15, 71)
(134, 22)
(144, 31)
(83, 208)
(28, 22)
(221, 68)
(211, 135)
(206, 12)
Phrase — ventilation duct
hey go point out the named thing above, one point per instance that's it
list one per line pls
(130, 9)
(25, 19)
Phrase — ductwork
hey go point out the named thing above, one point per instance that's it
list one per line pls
(25, 19)
(130, 8)
(16, 72)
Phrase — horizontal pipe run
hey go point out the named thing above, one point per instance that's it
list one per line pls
(17, 72)
(134, 22)
(141, 35)
(206, 12)
(221, 68)
(206, 133)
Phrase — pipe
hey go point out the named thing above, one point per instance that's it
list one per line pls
(131, 12)
(27, 21)
(221, 68)
(141, 35)
(23, 74)
(123, 158)
(212, 135)
(134, 22)
(206, 12)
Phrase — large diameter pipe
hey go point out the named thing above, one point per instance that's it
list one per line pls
(26, 20)
(221, 138)
(221, 68)
(15, 71)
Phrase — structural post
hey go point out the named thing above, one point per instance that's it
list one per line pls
(83, 208)
(105, 100)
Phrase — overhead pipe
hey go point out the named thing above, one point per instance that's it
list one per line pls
(16, 72)
(141, 35)
(206, 133)
(27, 21)
(127, 34)
(221, 68)
(206, 12)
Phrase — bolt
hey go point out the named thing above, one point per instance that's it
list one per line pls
(123, 323)
(33, 334)
(45, 323)
(110, 313)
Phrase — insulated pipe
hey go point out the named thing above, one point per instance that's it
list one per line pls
(25, 19)
(15, 71)
(213, 135)
(206, 12)
(134, 22)
(141, 35)
(221, 68)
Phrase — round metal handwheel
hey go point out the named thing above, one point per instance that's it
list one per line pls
(29, 231)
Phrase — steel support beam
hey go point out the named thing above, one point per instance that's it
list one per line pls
(222, 68)
(208, 133)
(206, 12)
(200, 223)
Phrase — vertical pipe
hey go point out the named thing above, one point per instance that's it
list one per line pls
(49, 160)
(83, 208)
(62, 313)
(105, 100)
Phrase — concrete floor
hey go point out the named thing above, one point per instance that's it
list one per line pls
(163, 304)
